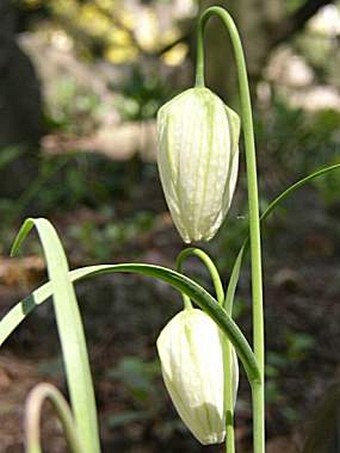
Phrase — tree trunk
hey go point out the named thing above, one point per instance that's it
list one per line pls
(20, 110)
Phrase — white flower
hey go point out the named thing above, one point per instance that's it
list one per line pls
(190, 348)
(198, 161)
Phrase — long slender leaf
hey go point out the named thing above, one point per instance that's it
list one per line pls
(235, 273)
(294, 187)
(233, 281)
(182, 283)
(38, 395)
(71, 332)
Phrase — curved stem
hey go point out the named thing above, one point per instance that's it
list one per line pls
(186, 302)
(35, 401)
(204, 257)
(254, 221)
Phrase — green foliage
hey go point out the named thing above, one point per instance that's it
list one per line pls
(71, 108)
(9, 154)
(326, 133)
(102, 242)
(297, 142)
(240, 307)
(230, 237)
(328, 187)
(89, 186)
(321, 52)
(293, 5)
(116, 420)
(298, 346)
(81, 179)
(142, 95)
(142, 381)
(71, 180)
(272, 391)
(139, 378)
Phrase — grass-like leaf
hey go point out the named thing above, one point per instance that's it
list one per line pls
(180, 282)
(70, 329)
(235, 273)
(36, 398)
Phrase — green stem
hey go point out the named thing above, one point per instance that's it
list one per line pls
(186, 302)
(257, 389)
(254, 221)
(215, 276)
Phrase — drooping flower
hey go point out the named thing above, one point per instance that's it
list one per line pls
(198, 161)
(190, 348)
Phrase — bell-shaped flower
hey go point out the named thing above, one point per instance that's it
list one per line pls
(190, 348)
(198, 161)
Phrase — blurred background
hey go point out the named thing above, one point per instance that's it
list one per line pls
(80, 85)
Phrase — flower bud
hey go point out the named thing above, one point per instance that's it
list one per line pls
(198, 161)
(190, 348)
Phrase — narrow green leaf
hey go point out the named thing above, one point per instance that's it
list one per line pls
(70, 329)
(38, 395)
(233, 281)
(235, 273)
(180, 282)
(23, 232)
(293, 188)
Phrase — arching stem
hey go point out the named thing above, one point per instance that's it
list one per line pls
(207, 261)
(254, 221)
